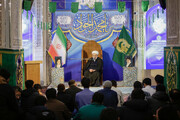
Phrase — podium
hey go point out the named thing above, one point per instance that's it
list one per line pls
(32, 71)
(57, 77)
(129, 76)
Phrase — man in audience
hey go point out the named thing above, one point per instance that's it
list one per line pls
(119, 93)
(17, 91)
(174, 95)
(110, 96)
(4, 76)
(72, 90)
(92, 111)
(158, 99)
(63, 97)
(58, 107)
(159, 79)
(136, 108)
(138, 85)
(109, 114)
(28, 96)
(147, 86)
(84, 97)
(167, 112)
(38, 88)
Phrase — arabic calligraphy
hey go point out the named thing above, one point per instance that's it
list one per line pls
(91, 25)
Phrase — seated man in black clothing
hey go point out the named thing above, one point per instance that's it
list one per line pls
(93, 69)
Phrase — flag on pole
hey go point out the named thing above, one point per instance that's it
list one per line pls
(124, 47)
(58, 46)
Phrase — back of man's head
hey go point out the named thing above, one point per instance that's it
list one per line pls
(5, 74)
(29, 84)
(98, 98)
(107, 84)
(85, 82)
(147, 81)
(109, 114)
(51, 93)
(137, 94)
(71, 82)
(40, 101)
(167, 112)
(137, 85)
(159, 79)
(174, 95)
(61, 88)
(160, 87)
(114, 83)
(37, 87)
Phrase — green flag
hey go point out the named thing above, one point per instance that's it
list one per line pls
(74, 7)
(13, 61)
(98, 7)
(124, 47)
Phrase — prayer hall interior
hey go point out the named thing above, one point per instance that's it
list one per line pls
(49, 45)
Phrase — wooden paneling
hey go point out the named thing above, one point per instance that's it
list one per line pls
(32, 71)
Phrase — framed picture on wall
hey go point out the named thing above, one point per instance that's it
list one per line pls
(58, 62)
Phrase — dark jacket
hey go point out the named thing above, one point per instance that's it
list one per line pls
(27, 98)
(72, 91)
(136, 109)
(110, 97)
(66, 99)
(99, 64)
(157, 100)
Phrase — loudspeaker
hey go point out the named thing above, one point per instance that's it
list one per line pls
(27, 0)
(163, 4)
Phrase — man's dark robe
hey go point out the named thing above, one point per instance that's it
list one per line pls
(94, 76)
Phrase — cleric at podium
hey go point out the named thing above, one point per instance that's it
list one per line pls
(93, 69)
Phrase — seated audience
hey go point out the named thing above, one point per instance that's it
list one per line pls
(110, 96)
(147, 86)
(158, 99)
(167, 112)
(58, 107)
(18, 91)
(159, 79)
(138, 85)
(8, 105)
(39, 105)
(119, 93)
(109, 114)
(38, 88)
(84, 97)
(63, 97)
(4, 76)
(72, 90)
(92, 111)
(136, 108)
(174, 95)
(28, 96)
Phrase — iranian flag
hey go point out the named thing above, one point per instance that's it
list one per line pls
(58, 46)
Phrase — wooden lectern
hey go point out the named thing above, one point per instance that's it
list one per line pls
(32, 71)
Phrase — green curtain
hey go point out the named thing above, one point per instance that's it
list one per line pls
(145, 5)
(52, 7)
(98, 7)
(74, 7)
(13, 61)
(121, 6)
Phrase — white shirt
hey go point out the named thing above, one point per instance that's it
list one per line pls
(149, 89)
(119, 95)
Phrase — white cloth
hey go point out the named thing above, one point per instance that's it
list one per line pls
(149, 89)
(120, 96)
(95, 52)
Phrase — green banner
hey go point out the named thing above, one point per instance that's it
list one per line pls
(52, 7)
(121, 6)
(172, 68)
(145, 5)
(13, 61)
(98, 7)
(124, 47)
(27, 5)
(74, 7)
